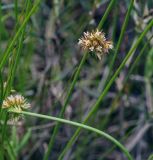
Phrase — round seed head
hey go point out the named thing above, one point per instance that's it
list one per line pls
(95, 41)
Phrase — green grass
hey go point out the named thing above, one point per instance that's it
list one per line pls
(40, 59)
(105, 135)
(96, 105)
(67, 99)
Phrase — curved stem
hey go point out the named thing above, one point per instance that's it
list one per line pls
(51, 142)
(103, 134)
(103, 94)
(67, 99)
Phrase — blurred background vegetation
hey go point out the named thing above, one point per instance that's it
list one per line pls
(48, 61)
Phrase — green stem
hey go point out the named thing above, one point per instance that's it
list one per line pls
(9, 48)
(137, 60)
(105, 120)
(101, 97)
(14, 64)
(10, 150)
(120, 38)
(103, 134)
(55, 131)
(17, 52)
(51, 143)
(101, 23)
(4, 127)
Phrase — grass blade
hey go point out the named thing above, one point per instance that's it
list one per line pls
(11, 45)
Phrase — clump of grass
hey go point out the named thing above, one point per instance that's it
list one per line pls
(12, 105)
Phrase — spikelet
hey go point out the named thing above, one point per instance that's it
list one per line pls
(15, 103)
(95, 41)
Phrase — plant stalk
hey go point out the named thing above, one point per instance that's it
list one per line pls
(103, 134)
(103, 94)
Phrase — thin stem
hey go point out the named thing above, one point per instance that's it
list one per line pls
(9, 48)
(103, 94)
(120, 38)
(11, 151)
(13, 66)
(137, 59)
(103, 134)
(51, 143)
(55, 131)
(101, 23)
(4, 127)
(105, 120)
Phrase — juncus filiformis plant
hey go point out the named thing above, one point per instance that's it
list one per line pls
(15, 103)
(95, 41)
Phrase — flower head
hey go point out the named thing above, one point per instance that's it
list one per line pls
(15, 103)
(95, 41)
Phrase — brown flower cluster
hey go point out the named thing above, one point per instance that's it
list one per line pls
(95, 41)
(15, 103)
